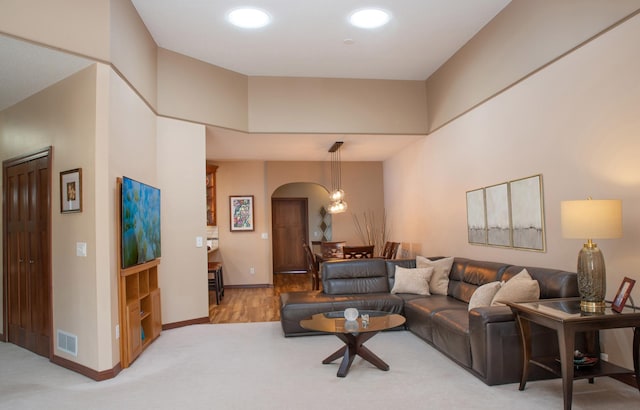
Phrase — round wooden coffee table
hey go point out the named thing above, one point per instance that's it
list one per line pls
(353, 334)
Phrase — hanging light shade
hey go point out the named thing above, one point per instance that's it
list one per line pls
(337, 204)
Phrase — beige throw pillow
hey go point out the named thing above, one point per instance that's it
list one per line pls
(439, 282)
(412, 280)
(483, 296)
(520, 288)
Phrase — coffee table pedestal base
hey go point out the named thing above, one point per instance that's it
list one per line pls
(354, 346)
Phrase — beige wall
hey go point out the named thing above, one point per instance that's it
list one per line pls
(106, 281)
(180, 87)
(133, 51)
(262, 179)
(132, 152)
(325, 105)
(77, 25)
(193, 90)
(525, 36)
(576, 122)
(240, 251)
(95, 121)
(64, 116)
(181, 170)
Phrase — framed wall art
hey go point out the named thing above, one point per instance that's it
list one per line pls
(497, 206)
(527, 213)
(476, 222)
(71, 191)
(509, 214)
(241, 207)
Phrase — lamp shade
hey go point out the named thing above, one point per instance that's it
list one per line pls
(591, 219)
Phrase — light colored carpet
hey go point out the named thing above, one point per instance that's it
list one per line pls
(252, 366)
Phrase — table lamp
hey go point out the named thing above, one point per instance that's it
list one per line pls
(591, 219)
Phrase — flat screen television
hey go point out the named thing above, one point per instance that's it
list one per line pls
(140, 222)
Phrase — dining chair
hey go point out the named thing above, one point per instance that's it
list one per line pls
(390, 250)
(332, 250)
(358, 252)
(312, 266)
(216, 284)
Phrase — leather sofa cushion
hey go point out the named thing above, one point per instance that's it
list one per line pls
(553, 283)
(467, 275)
(355, 277)
(451, 334)
(419, 312)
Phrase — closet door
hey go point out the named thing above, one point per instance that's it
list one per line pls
(27, 187)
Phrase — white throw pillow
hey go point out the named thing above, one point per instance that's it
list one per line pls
(412, 280)
(520, 288)
(439, 282)
(483, 296)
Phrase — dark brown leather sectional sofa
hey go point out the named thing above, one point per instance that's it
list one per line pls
(484, 340)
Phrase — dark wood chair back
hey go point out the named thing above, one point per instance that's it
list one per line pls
(312, 266)
(358, 252)
(390, 250)
(332, 250)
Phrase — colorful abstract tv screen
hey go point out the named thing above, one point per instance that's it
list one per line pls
(140, 214)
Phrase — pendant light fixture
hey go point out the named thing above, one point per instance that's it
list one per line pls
(337, 204)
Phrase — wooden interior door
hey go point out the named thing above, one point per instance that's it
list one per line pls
(289, 218)
(27, 186)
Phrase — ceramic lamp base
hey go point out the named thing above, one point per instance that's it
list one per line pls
(592, 279)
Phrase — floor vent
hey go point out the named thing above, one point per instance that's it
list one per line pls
(68, 342)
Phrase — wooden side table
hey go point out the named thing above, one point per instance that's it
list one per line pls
(565, 317)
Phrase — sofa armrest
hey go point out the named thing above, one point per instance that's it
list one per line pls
(479, 317)
(493, 337)
(496, 344)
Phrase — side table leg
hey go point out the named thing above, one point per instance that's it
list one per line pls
(566, 343)
(636, 353)
(525, 335)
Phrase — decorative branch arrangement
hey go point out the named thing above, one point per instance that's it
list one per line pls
(372, 231)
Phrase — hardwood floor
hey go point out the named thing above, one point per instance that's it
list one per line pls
(243, 305)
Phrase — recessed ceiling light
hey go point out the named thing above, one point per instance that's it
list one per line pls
(248, 18)
(369, 18)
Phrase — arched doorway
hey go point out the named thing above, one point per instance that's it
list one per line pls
(297, 217)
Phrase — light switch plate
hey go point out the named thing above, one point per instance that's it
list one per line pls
(265, 235)
(198, 241)
(81, 249)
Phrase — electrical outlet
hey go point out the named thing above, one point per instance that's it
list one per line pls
(604, 357)
(199, 242)
(81, 249)
(252, 270)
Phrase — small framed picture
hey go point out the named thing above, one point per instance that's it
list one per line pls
(623, 294)
(241, 207)
(71, 191)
